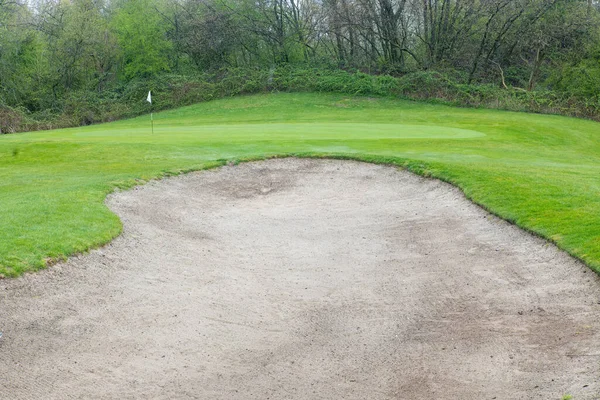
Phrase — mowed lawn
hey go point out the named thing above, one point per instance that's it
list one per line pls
(541, 172)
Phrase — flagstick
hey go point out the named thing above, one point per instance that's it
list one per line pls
(149, 100)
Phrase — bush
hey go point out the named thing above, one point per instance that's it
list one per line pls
(11, 120)
(169, 91)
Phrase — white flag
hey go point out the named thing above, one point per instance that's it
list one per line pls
(149, 98)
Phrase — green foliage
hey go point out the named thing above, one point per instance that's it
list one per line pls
(103, 54)
(22, 67)
(11, 120)
(141, 35)
(581, 80)
(84, 107)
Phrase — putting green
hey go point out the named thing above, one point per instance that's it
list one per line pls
(326, 131)
(538, 171)
(272, 131)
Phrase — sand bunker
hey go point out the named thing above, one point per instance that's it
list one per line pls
(304, 279)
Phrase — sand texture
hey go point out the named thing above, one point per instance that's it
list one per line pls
(304, 279)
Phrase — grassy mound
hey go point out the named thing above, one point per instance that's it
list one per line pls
(538, 171)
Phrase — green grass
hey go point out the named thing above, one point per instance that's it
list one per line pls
(541, 172)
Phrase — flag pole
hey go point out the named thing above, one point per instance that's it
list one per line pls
(149, 100)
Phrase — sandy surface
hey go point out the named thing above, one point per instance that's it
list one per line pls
(300, 279)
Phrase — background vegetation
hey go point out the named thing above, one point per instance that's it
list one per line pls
(76, 62)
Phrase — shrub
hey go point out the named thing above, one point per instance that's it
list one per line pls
(11, 120)
(170, 90)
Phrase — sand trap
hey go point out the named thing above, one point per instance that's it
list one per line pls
(304, 279)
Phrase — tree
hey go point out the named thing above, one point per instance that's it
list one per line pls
(141, 34)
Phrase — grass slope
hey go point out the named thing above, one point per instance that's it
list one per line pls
(541, 172)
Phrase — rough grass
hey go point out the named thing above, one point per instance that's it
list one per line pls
(541, 172)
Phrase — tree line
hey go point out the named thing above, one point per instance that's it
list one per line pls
(50, 49)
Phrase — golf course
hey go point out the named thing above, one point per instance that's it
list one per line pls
(540, 172)
(300, 199)
(297, 245)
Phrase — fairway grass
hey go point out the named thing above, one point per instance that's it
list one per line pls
(541, 172)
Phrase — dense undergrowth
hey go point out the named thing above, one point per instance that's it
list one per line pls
(170, 91)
